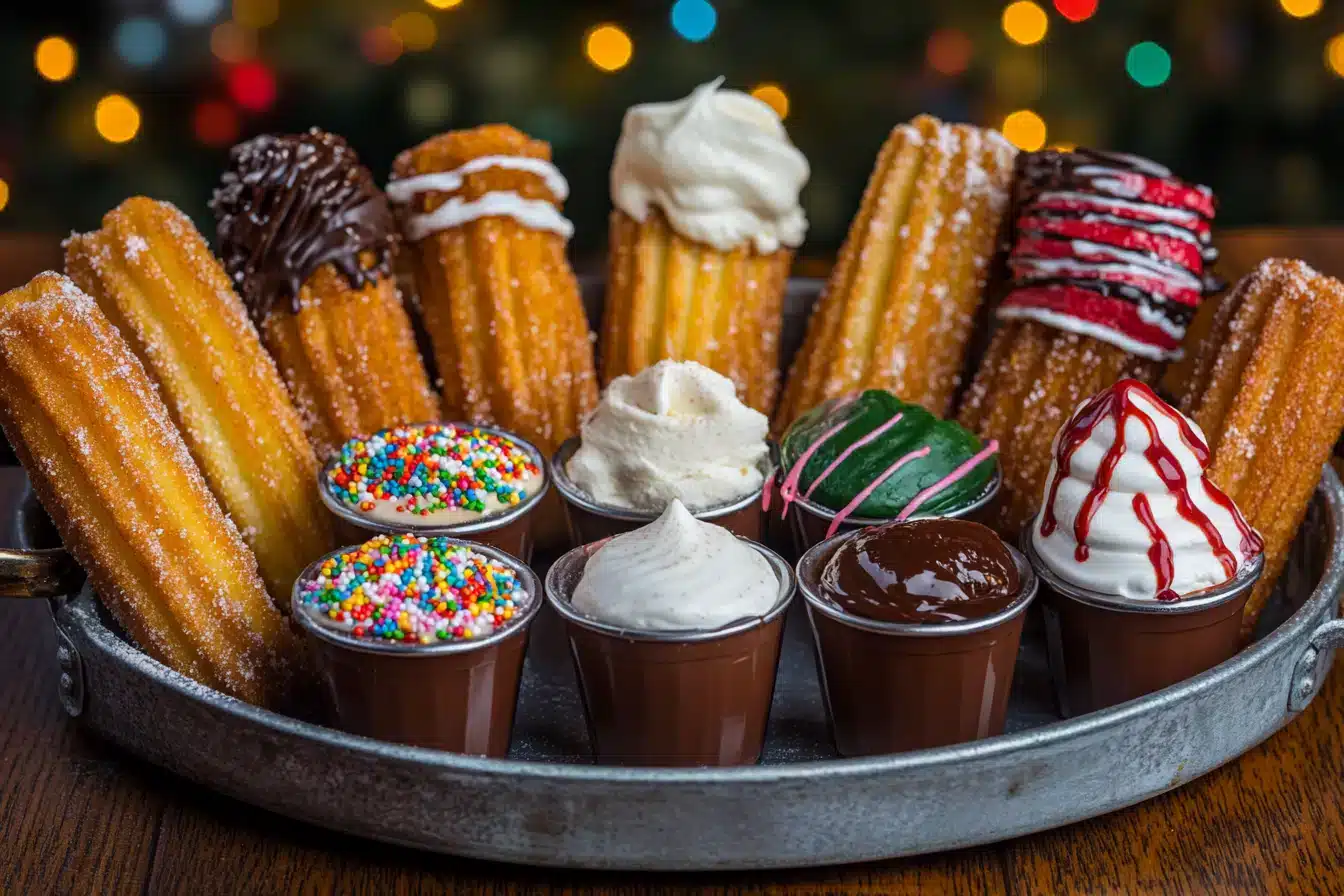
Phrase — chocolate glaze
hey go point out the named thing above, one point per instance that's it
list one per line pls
(923, 571)
(289, 204)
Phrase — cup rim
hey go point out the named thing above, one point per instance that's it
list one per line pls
(816, 601)
(516, 625)
(560, 602)
(488, 523)
(574, 495)
(1193, 602)
(980, 502)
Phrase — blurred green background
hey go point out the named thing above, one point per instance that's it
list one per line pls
(105, 99)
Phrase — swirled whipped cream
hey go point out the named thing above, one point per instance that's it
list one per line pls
(1129, 511)
(674, 431)
(720, 166)
(676, 573)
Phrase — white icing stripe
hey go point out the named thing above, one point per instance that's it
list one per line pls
(535, 213)
(406, 189)
(1083, 270)
(1073, 324)
(1174, 215)
(1159, 266)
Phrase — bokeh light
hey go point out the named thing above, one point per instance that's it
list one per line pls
(1076, 10)
(694, 20)
(256, 13)
(1148, 64)
(381, 45)
(232, 43)
(948, 51)
(252, 86)
(1025, 130)
(215, 123)
(608, 48)
(1334, 55)
(140, 42)
(444, 4)
(416, 30)
(116, 118)
(1301, 9)
(4, 195)
(773, 96)
(194, 12)
(55, 58)
(1025, 23)
(429, 102)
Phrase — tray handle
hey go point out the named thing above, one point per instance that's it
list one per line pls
(38, 573)
(1311, 666)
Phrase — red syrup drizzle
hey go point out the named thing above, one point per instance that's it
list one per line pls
(1117, 404)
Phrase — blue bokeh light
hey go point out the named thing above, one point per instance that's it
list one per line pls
(694, 20)
(140, 42)
(195, 12)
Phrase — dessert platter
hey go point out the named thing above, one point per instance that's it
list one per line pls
(1021, 517)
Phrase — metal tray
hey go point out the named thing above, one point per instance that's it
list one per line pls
(548, 805)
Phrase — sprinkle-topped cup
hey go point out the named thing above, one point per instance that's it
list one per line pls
(420, 639)
(453, 479)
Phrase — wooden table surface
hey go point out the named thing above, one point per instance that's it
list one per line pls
(78, 816)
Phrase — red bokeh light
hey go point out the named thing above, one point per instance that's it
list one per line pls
(215, 123)
(252, 86)
(381, 45)
(1076, 10)
(948, 51)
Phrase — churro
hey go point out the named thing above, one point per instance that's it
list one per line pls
(154, 277)
(1266, 385)
(308, 237)
(898, 310)
(130, 504)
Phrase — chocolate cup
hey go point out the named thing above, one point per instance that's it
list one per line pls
(590, 521)
(810, 520)
(457, 696)
(509, 530)
(673, 698)
(1104, 650)
(892, 687)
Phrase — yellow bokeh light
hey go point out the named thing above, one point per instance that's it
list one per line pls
(1334, 55)
(1301, 9)
(608, 47)
(116, 118)
(55, 58)
(1025, 23)
(444, 4)
(1025, 130)
(1064, 147)
(773, 96)
(416, 30)
(4, 194)
(256, 13)
(232, 43)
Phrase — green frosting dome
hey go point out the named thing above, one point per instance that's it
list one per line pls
(950, 446)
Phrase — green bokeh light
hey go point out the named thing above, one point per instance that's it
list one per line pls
(1148, 64)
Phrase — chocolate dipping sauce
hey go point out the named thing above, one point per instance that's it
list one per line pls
(922, 571)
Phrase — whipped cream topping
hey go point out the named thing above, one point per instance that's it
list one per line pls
(675, 574)
(674, 431)
(1129, 511)
(537, 214)
(720, 166)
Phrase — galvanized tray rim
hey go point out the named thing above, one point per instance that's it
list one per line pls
(1326, 591)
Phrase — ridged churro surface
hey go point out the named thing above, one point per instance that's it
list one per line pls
(900, 304)
(1266, 384)
(129, 501)
(155, 279)
(499, 298)
(349, 358)
(669, 297)
(1031, 379)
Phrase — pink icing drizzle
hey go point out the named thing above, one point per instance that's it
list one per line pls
(872, 487)
(990, 449)
(844, 455)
